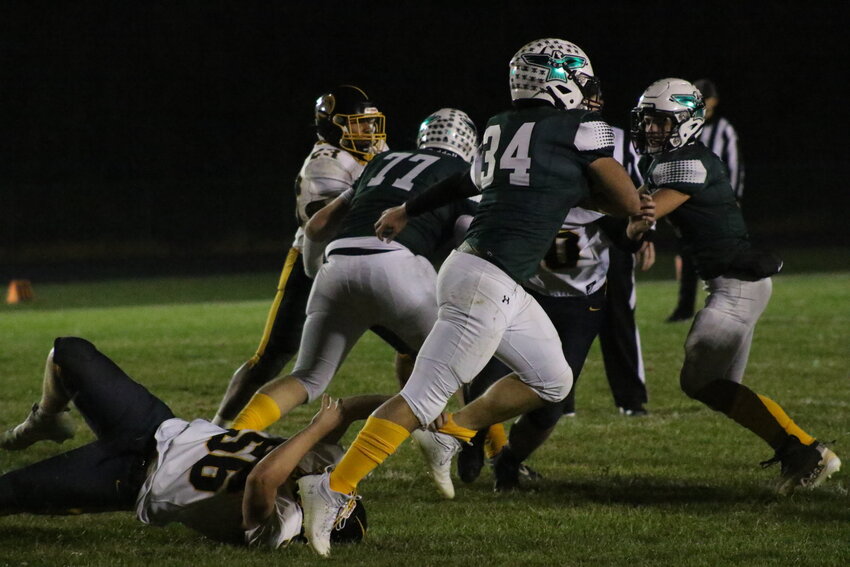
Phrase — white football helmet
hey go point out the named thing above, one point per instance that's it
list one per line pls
(677, 109)
(449, 129)
(553, 70)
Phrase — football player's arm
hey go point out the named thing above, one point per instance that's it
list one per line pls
(667, 200)
(615, 192)
(328, 425)
(324, 224)
(393, 221)
(258, 501)
(616, 229)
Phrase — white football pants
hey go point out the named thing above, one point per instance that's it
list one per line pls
(718, 344)
(393, 289)
(483, 311)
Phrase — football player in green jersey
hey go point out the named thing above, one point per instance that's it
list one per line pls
(535, 162)
(367, 282)
(690, 185)
(350, 131)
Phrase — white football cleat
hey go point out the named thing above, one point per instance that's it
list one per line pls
(321, 506)
(38, 426)
(438, 449)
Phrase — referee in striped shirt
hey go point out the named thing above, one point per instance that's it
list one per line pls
(720, 137)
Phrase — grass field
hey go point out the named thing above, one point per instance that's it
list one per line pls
(680, 487)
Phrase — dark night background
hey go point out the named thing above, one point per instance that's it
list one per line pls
(146, 135)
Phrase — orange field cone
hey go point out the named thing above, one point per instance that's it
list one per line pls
(19, 290)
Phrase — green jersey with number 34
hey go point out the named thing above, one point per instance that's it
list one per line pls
(531, 169)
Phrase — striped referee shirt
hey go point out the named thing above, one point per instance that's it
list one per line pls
(720, 137)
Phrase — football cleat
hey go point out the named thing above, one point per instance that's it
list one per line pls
(322, 508)
(529, 474)
(509, 471)
(634, 411)
(38, 426)
(805, 466)
(438, 450)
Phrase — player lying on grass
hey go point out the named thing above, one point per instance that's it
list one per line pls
(231, 486)
(690, 186)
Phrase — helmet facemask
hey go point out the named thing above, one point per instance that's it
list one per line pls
(362, 134)
(347, 119)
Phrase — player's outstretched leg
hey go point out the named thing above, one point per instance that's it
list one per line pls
(49, 419)
(279, 344)
(805, 462)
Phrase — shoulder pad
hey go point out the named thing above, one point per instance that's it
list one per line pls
(679, 171)
(594, 135)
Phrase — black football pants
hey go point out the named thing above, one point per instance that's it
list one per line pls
(104, 475)
(618, 335)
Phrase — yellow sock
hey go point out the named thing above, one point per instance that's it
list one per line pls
(786, 422)
(260, 412)
(457, 431)
(378, 439)
(496, 440)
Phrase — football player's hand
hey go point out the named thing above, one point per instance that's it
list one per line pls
(645, 257)
(647, 209)
(439, 422)
(330, 414)
(638, 224)
(392, 222)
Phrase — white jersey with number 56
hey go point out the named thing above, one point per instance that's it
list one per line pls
(199, 477)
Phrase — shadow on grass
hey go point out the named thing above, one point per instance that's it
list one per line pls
(826, 504)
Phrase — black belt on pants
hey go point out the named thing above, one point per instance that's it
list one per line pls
(357, 251)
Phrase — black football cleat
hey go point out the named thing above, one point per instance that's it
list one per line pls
(506, 469)
(636, 410)
(804, 466)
